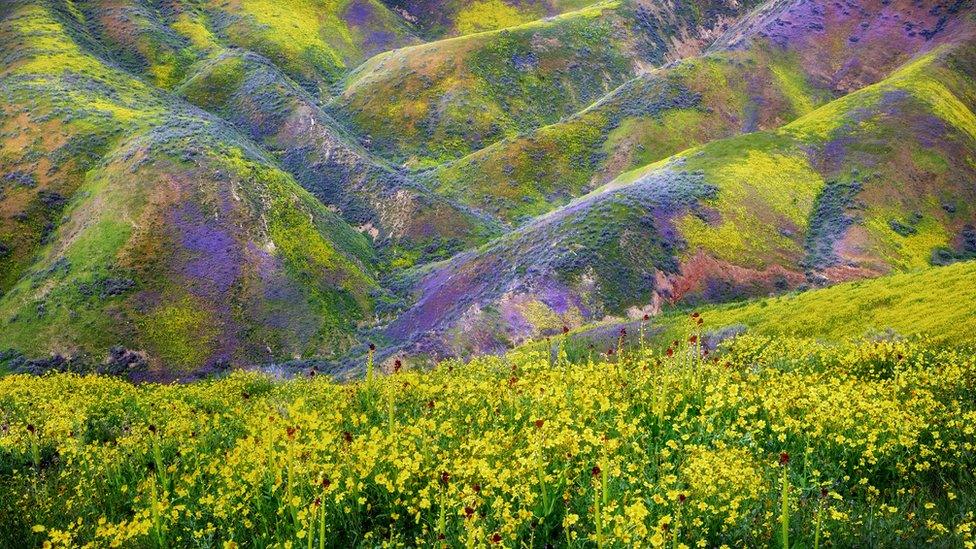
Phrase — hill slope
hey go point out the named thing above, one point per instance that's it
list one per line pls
(448, 98)
(136, 220)
(878, 180)
(192, 184)
(775, 65)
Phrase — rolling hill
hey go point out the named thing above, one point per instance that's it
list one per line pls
(876, 181)
(192, 185)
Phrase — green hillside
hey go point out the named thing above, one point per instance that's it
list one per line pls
(854, 189)
(139, 222)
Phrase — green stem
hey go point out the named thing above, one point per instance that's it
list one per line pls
(322, 524)
(816, 535)
(784, 517)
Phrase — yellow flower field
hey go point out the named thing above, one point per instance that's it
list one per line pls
(862, 444)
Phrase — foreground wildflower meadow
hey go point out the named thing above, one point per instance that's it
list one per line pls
(767, 442)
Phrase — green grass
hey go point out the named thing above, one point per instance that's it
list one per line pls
(935, 302)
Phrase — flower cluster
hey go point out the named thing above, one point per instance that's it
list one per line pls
(863, 443)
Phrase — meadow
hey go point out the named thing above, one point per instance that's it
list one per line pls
(765, 441)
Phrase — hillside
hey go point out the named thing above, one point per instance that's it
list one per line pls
(134, 219)
(452, 97)
(855, 188)
(757, 77)
(193, 185)
(930, 303)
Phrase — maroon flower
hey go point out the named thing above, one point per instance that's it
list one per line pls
(291, 432)
(682, 498)
(445, 477)
(476, 488)
(623, 332)
(595, 471)
(30, 428)
(695, 315)
(468, 512)
(397, 365)
(647, 317)
(670, 351)
(610, 351)
(565, 330)
(539, 423)
(347, 436)
(496, 538)
(784, 458)
(326, 482)
(372, 347)
(693, 339)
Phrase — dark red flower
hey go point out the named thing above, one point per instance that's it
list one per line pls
(445, 477)
(695, 315)
(430, 404)
(647, 317)
(693, 339)
(539, 423)
(670, 351)
(372, 347)
(318, 501)
(31, 428)
(496, 538)
(565, 330)
(441, 536)
(595, 471)
(347, 436)
(152, 429)
(610, 351)
(291, 431)
(784, 458)
(682, 498)
(476, 488)
(397, 365)
(468, 512)
(623, 332)
(326, 482)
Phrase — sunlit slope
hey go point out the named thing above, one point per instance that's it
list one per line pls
(314, 42)
(138, 221)
(440, 18)
(777, 64)
(934, 303)
(439, 101)
(875, 182)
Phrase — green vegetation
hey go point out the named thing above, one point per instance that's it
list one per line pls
(930, 302)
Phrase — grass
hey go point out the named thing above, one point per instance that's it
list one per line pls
(933, 301)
